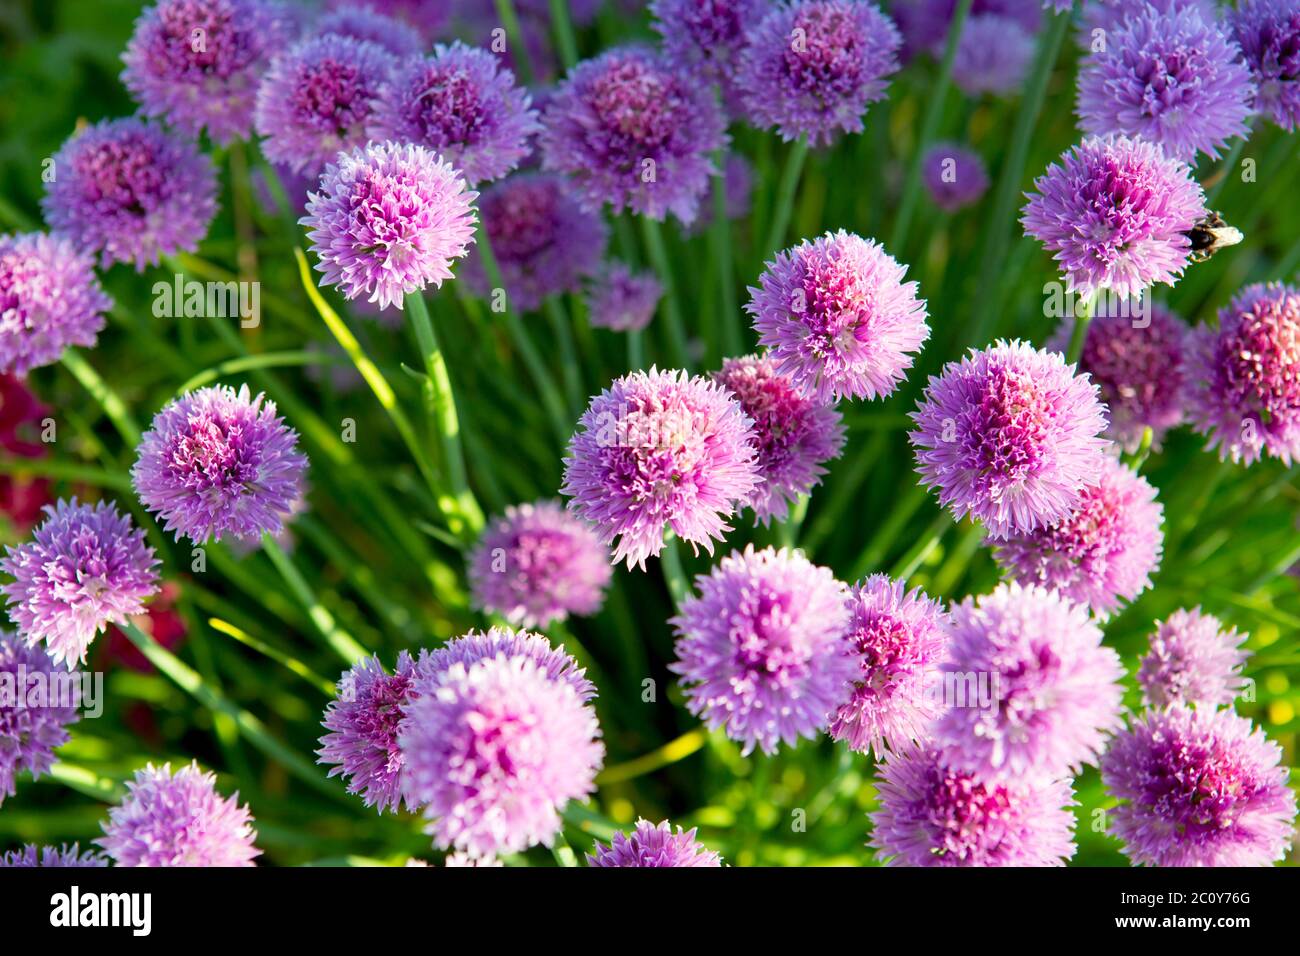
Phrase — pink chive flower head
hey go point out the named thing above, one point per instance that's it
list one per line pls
(1113, 213)
(794, 435)
(537, 564)
(475, 646)
(50, 298)
(178, 819)
(1011, 436)
(1193, 659)
(762, 649)
(1199, 788)
(388, 220)
(58, 856)
(29, 735)
(129, 191)
(838, 317)
(652, 844)
(993, 55)
(1050, 694)
(622, 300)
(954, 176)
(660, 450)
(1268, 32)
(219, 462)
(367, 24)
(85, 567)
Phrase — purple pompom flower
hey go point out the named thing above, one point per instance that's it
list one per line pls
(537, 564)
(319, 99)
(365, 23)
(635, 133)
(660, 449)
(178, 819)
(30, 734)
(621, 299)
(763, 649)
(932, 814)
(1114, 213)
(462, 104)
(1268, 32)
(388, 220)
(1244, 377)
(61, 856)
(197, 63)
(653, 844)
(50, 298)
(1108, 16)
(85, 567)
(954, 176)
(1102, 553)
(475, 646)
(218, 462)
(131, 192)
(1193, 659)
(838, 317)
(793, 434)
(1052, 692)
(1199, 788)
(1170, 78)
(993, 55)
(705, 37)
(812, 67)
(1011, 436)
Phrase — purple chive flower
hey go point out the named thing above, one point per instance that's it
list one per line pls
(50, 298)
(1108, 16)
(1102, 553)
(621, 299)
(705, 37)
(993, 55)
(475, 646)
(838, 317)
(1009, 435)
(954, 176)
(1193, 659)
(898, 639)
(1031, 691)
(537, 564)
(1114, 213)
(197, 63)
(85, 567)
(652, 844)
(633, 132)
(30, 734)
(364, 23)
(218, 462)
(461, 104)
(1199, 788)
(131, 192)
(178, 819)
(793, 434)
(1170, 78)
(925, 23)
(932, 814)
(660, 449)
(428, 17)
(763, 649)
(1244, 377)
(362, 722)
(388, 220)
(319, 99)
(1268, 32)
(544, 241)
(812, 67)
(61, 856)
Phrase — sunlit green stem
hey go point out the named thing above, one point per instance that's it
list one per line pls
(1082, 319)
(100, 391)
(670, 559)
(658, 254)
(339, 640)
(720, 236)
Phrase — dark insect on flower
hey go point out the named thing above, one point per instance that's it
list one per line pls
(1211, 234)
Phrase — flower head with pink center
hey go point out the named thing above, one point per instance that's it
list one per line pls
(1193, 659)
(29, 735)
(652, 844)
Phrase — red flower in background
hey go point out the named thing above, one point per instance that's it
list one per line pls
(21, 499)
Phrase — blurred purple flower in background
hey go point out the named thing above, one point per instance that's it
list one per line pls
(622, 300)
(954, 176)
(1193, 660)
(29, 735)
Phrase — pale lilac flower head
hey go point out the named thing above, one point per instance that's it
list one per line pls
(621, 299)
(218, 462)
(178, 819)
(1047, 691)
(197, 63)
(1244, 377)
(838, 317)
(954, 176)
(993, 55)
(537, 564)
(635, 133)
(85, 567)
(653, 844)
(934, 814)
(1011, 436)
(1268, 32)
(763, 649)
(704, 37)
(660, 450)
(1193, 659)
(388, 220)
(793, 434)
(61, 856)
(812, 67)
(29, 735)
(898, 639)
(365, 23)
(131, 192)
(50, 298)
(1199, 788)
(475, 646)
(1169, 78)
(924, 24)
(1103, 553)
(1113, 213)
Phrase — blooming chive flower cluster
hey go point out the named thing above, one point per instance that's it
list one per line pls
(29, 735)
(1192, 660)
(1268, 32)
(706, 38)
(654, 845)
